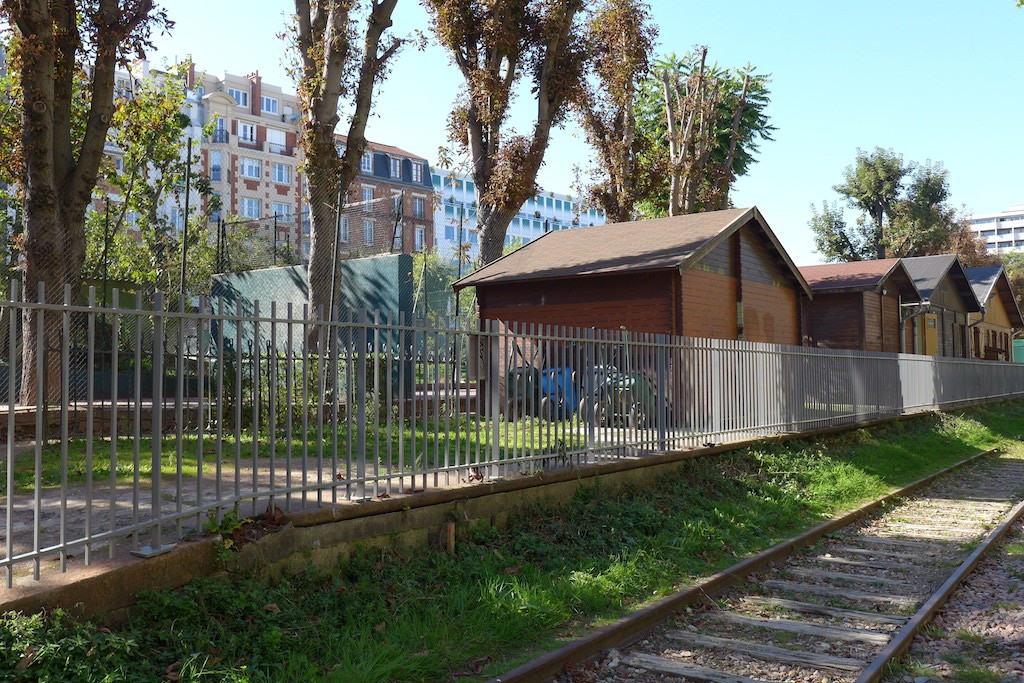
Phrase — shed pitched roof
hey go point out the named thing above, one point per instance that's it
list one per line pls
(989, 280)
(658, 244)
(853, 276)
(928, 271)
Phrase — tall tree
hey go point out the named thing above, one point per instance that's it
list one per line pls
(495, 44)
(332, 70)
(904, 211)
(148, 130)
(57, 44)
(621, 37)
(714, 119)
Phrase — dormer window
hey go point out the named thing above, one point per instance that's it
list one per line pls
(366, 163)
(396, 167)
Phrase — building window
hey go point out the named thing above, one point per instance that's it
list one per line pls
(396, 167)
(249, 207)
(420, 236)
(281, 173)
(269, 104)
(214, 165)
(282, 212)
(419, 207)
(396, 204)
(367, 199)
(276, 140)
(366, 162)
(250, 168)
(367, 231)
(246, 132)
(241, 96)
(214, 205)
(118, 164)
(417, 172)
(177, 218)
(449, 232)
(343, 232)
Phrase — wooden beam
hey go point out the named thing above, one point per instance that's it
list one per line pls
(810, 589)
(843, 576)
(777, 654)
(690, 672)
(804, 628)
(824, 610)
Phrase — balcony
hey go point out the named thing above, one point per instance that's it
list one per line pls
(219, 136)
(278, 148)
(249, 144)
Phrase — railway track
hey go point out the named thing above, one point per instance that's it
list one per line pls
(837, 611)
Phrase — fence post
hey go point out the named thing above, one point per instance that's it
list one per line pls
(590, 387)
(661, 388)
(360, 397)
(494, 386)
(156, 430)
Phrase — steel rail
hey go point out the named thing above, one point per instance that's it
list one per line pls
(631, 628)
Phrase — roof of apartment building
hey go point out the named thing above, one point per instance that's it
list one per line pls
(384, 149)
(658, 244)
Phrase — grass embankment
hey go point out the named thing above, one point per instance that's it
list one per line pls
(507, 594)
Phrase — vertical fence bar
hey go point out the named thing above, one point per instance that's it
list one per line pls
(389, 358)
(305, 403)
(359, 349)
(403, 397)
(90, 395)
(255, 403)
(239, 399)
(179, 414)
(137, 423)
(272, 405)
(115, 331)
(12, 403)
(65, 385)
(221, 398)
(41, 415)
(289, 389)
(200, 321)
(375, 359)
(156, 420)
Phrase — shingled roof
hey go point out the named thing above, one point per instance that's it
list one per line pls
(658, 244)
(852, 276)
(985, 279)
(928, 271)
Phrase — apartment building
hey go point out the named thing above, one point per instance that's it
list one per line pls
(254, 163)
(392, 196)
(1001, 232)
(455, 215)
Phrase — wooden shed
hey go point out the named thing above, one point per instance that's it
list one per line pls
(992, 329)
(857, 305)
(719, 274)
(939, 320)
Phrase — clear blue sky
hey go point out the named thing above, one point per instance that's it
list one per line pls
(939, 80)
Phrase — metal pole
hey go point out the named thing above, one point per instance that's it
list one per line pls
(275, 238)
(184, 231)
(106, 245)
(458, 247)
(334, 266)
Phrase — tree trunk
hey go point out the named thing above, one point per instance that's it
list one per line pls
(492, 224)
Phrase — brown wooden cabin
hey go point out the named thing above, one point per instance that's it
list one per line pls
(857, 305)
(939, 321)
(992, 329)
(719, 274)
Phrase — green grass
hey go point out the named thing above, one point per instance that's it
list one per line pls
(420, 448)
(507, 594)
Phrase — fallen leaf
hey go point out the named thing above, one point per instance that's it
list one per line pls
(384, 495)
(379, 627)
(272, 607)
(512, 570)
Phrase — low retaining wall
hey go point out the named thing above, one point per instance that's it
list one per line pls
(402, 522)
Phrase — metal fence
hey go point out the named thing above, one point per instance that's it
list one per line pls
(208, 411)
